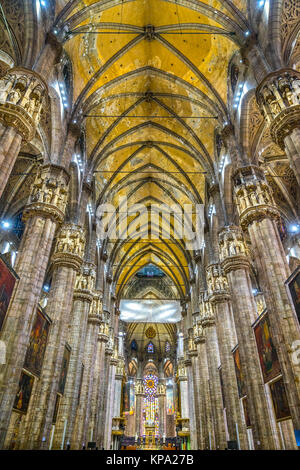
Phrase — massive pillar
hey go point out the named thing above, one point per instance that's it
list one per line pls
(219, 296)
(278, 96)
(235, 262)
(109, 402)
(23, 94)
(66, 262)
(198, 428)
(82, 299)
(44, 212)
(139, 395)
(208, 323)
(259, 215)
(161, 395)
(205, 411)
(80, 434)
(99, 371)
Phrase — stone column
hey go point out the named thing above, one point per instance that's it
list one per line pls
(278, 97)
(44, 212)
(66, 262)
(82, 299)
(139, 395)
(218, 294)
(109, 401)
(208, 323)
(80, 434)
(104, 394)
(118, 389)
(197, 396)
(161, 395)
(183, 384)
(99, 371)
(205, 411)
(191, 402)
(235, 262)
(259, 215)
(23, 94)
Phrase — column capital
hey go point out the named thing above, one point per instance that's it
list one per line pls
(278, 96)
(85, 281)
(207, 316)
(103, 334)
(139, 388)
(198, 333)
(253, 195)
(217, 284)
(161, 390)
(233, 249)
(23, 95)
(69, 247)
(49, 194)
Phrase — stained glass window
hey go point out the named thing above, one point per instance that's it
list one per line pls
(150, 412)
(168, 347)
(150, 348)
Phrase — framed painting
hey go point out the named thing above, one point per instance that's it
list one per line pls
(37, 344)
(222, 386)
(24, 392)
(279, 399)
(64, 370)
(170, 400)
(266, 350)
(8, 278)
(56, 408)
(293, 288)
(246, 412)
(239, 373)
(126, 397)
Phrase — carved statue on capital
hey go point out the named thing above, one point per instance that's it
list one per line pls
(198, 333)
(207, 316)
(278, 97)
(217, 284)
(49, 193)
(23, 95)
(253, 195)
(139, 388)
(69, 247)
(233, 250)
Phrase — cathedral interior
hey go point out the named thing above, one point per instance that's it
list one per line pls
(121, 121)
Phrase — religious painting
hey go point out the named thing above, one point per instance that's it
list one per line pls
(126, 397)
(266, 350)
(80, 383)
(7, 283)
(24, 392)
(64, 370)
(56, 407)
(37, 344)
(170, 400)
(131, 397)
(280, 402)
(246, 412)
(222, 386)
(239, 373)
(293, 286)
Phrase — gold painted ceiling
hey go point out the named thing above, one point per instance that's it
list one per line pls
(162, 65)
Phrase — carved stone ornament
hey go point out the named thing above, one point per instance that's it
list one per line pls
(253, 196)
(233, 249)
(278, 97)
(49, 194)
(69, 247)
(23, 95)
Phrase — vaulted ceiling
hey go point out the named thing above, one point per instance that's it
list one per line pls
(150, 84)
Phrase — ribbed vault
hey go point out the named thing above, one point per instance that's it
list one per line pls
(150, 86)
